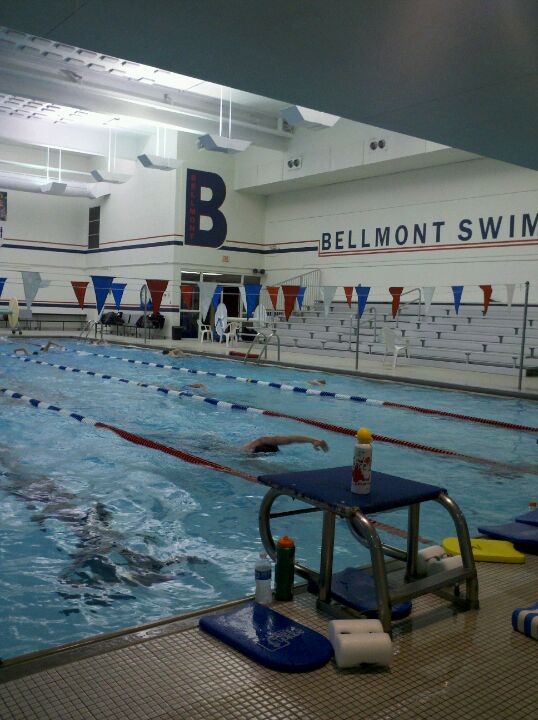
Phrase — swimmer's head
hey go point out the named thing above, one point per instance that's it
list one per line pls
(35, 352)
(166, 352)
(266, 448)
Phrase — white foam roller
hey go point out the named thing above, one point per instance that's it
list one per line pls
(352, 627)
(448, 563)
(357, 648)
(435, 552)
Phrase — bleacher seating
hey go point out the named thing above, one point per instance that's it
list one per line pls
(470, 339)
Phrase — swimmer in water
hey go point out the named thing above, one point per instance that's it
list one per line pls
(271, 443)
(316, 382)
(174, 352)
(43, 348)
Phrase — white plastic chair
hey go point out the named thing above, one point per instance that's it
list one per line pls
(230, 333)
(204, 331)
(391, 338)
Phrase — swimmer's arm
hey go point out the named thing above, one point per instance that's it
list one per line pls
(289, 440)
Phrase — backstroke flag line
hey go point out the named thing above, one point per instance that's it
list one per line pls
(79, 287)
(117, 293)
(102, 284)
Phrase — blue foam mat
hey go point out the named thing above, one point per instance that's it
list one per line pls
(356, 588)
(524, 537)
(269, 638)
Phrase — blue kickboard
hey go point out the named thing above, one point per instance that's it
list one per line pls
(269, 638)
(529, 518)
(524, 537)
(356, 588)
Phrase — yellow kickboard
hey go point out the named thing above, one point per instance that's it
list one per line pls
(487, 550)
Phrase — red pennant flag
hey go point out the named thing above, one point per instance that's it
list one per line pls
(80, 291)
(487, 290)
(156, 289)
(290, 296)
(273, 294)
(186, 294)
(396, 293)
(349, 295)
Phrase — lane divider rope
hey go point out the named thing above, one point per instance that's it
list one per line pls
(167, 450)
(326, 394)
(224, 405)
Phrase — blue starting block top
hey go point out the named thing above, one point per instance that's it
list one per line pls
(329, 488)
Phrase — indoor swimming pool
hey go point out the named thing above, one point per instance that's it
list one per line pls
(98, 534)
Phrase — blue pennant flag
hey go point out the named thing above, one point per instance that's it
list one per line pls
(2, 283)
(102, 285)
(362, 296)
(117, 292)
(252, 293)
(216, 296)
(300, 297)
(457, 290)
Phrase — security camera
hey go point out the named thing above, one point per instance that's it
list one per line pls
(296, 162)
(290, 164)
(373, 145)
(381, 144)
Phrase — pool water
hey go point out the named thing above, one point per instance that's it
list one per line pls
(98, 534)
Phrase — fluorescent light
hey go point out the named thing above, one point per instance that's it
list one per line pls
(54, 188)
(219, 143)
(110, 177)
(158, 162)
(313, 119)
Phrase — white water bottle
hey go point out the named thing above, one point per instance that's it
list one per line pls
(361, 473)
(262, 573)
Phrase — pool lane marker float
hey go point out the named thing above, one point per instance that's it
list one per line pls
(224, 405)
(326, 394)
(168, 450)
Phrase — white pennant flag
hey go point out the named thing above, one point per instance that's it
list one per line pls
(243, 295)
(328, 292)
(32, 282)
(427, 294)
(509, 296)
(207, 290)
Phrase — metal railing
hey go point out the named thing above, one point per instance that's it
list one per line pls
(310, 280)
(263, 339)
(410, 302)
(88, 327)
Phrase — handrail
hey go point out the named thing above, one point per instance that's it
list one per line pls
(373, 310)
(410, 302)
(265, 342)
(310, 280)
(88, 326)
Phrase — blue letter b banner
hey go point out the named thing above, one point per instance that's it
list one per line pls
(195, 207)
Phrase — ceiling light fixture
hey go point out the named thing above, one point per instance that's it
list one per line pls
(220, 143)
(304, 117)
(110, 175)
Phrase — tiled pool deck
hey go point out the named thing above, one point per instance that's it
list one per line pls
(447, 664)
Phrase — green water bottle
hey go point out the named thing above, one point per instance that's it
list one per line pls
(285, 568)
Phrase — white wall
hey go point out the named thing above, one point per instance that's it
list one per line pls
(448, 194)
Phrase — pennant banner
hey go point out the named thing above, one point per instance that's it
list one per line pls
(207, 290)
(186, 294)
(509, 296)
(216, 297)
(457, 290)
(273, 294)
(290, 295)
(32, 282)
(362, 296)
(487, 290)
(157, 289)
(300, 297)
(117, 293)
(102, 285)
(427, 294)
(252, 298)
(2, 283)
(328, 292)
(349, 295)
(396, 293)
(79, 288)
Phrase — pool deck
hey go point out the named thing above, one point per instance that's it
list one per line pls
(447, 665)
(468, 380)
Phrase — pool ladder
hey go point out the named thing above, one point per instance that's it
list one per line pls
(88, 327)
(263, 339)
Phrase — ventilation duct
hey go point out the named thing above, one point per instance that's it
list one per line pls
(110, 177)
(304, 117)
(53, 188)
(32, 183)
